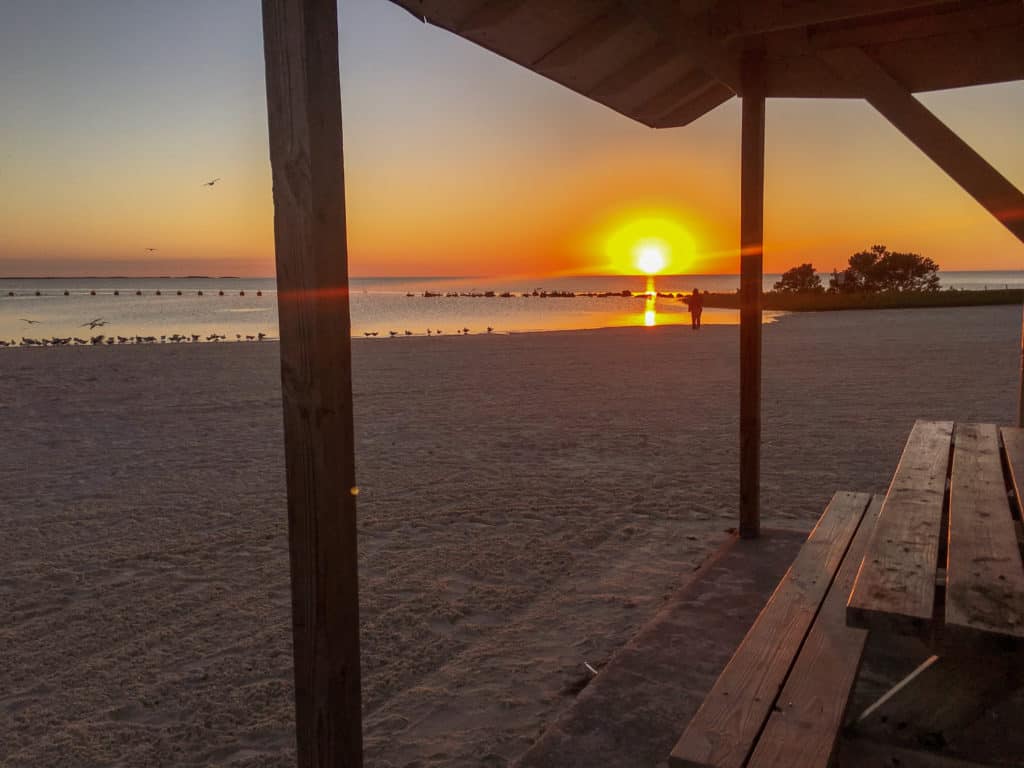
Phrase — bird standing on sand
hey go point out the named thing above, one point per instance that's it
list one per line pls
(210, 183)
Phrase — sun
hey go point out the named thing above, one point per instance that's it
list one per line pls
(647, 243)
(651, 256)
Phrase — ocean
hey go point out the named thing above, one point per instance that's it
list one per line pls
(232, 309)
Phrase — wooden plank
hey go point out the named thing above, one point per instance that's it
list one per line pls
(741, 17)
(895, 588)
(751, 279)
(804, 725)
(1013, 441)
(723, 731)
(304, 113)
(716, 94)
(951, 153)
(1020, 394)
(984, 573)
(582, 41)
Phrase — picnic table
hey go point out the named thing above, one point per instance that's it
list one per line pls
(944, 565)
(931, 571)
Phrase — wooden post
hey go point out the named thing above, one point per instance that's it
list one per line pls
(1020, 395)
(933, 137)
(300, 40)
(751, 278)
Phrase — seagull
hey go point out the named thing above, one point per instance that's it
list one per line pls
(210, 183)
(151, 250)
(30, 322)
(93, 324)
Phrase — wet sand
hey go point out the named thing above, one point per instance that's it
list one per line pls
(527, 503)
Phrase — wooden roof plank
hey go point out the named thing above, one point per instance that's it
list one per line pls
(895, 586)
(583, 40)
(732, 715)
(717, 93)
(984, 572)
(626, 53)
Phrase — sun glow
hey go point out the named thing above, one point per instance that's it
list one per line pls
(649, 244)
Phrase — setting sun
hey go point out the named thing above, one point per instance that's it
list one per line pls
(650, 256)
(648, 243)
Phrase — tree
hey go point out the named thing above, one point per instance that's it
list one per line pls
(802, 279)
(878, 270)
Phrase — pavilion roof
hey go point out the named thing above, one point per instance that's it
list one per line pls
(665, 63)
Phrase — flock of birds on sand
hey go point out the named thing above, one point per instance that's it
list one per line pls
(97, 340)
(430, 332)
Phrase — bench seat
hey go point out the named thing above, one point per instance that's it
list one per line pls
(782, 698)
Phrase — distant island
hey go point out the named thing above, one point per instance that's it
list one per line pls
(875, 278)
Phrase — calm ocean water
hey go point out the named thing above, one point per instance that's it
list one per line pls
(233, 307)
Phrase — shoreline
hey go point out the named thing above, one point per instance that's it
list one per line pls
(842, 302)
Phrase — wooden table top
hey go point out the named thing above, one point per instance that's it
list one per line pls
(945, 556)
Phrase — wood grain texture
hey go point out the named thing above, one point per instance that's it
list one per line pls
(895, 588)
(947, 150)
(724, 729)
(304, 116)
(803, 728)
(751, 278)
(984, 573)
(1013, 441)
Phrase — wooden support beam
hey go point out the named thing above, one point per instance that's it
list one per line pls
(951, 153)
(751, 278)
(300, 40)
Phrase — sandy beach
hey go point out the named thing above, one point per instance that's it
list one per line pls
(527, 502)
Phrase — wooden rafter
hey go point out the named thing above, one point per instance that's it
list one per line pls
(951, 153)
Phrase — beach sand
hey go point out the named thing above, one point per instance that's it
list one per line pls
(527, 503)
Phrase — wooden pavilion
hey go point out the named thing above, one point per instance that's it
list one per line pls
(663, 63)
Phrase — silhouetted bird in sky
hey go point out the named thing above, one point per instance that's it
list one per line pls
(210, 183)
(94, 323)
(151, 249)
(30, 322)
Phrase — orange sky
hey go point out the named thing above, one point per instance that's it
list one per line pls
(457, 162)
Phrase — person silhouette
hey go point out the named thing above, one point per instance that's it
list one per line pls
(696, 302)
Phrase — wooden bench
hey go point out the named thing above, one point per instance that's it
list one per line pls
(782, 698)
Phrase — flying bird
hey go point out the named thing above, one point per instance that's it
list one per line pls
(210, 183)
(30, 322)
(151, 249)
(93, 324)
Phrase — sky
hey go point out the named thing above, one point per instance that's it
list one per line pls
(113, 113)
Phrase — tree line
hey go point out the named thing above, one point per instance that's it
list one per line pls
(876, 270)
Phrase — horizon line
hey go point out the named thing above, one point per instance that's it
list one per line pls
(433, 277)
